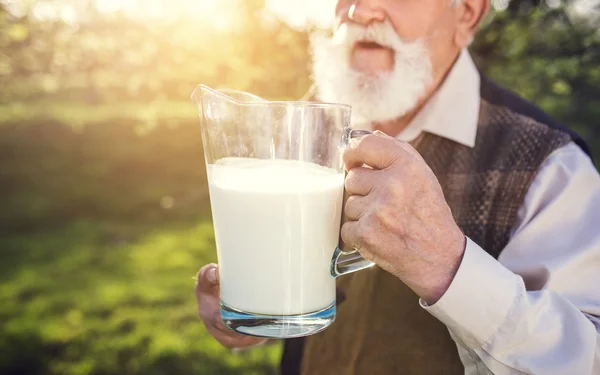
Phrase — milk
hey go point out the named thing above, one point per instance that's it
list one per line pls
(276, 225)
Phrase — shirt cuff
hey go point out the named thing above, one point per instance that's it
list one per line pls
(479, 299)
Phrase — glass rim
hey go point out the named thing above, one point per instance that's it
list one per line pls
(261, 102)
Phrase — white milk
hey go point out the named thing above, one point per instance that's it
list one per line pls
(277, 225)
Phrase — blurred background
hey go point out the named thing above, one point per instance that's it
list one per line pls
(104, 212)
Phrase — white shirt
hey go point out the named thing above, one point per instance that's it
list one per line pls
(535, 310)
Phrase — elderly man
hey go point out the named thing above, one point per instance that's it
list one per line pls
(480, 213)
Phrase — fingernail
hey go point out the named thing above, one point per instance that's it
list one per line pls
(211, 275)
(380, 133)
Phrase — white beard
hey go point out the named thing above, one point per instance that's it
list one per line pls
(373, 98)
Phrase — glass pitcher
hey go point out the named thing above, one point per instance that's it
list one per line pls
(276, 186)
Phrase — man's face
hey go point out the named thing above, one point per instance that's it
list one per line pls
(384, 55)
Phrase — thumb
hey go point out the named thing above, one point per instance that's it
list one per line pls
(379, 133)
(377, 150)
(404, 145)
(207, 279)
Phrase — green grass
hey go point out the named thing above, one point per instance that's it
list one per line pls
(95, 271)
(109, 298)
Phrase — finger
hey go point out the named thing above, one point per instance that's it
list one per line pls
(209, 310)
(207, 280)
(231, 339)
(207, 295)
(237, 341)
(227, 337)
(355, 206)
(352, 237)
(241, 342)
(349, 234)
(375, 151)
(215, 326)
(360, 180)
(210, 313)
(404, 145)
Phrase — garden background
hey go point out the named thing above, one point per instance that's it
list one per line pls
(104, 212)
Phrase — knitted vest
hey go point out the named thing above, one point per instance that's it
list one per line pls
(380, 328)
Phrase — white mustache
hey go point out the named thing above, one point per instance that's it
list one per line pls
(378, 97)
(382, 33)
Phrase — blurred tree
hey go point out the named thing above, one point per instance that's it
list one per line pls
(549, 54)
(70, 51)
(110, 57)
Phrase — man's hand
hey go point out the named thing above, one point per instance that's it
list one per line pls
(207, 295)
(398, 216)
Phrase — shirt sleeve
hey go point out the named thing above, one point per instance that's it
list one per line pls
(536, 309)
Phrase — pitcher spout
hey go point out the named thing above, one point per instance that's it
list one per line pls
(202, 95)
(238, 124)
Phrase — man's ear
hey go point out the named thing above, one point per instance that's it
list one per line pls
(470, 13)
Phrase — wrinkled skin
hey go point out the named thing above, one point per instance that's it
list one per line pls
(207, 295)
(398, 215)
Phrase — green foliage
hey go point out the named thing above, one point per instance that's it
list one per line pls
(111, 297)
(121, 169)
(551, 57)
(109, 58)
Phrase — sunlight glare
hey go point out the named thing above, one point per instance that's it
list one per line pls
(108, 6)
(298, 12)
(44, 11)
(162, 8)
(155, 8)
(69, 15)
(219, 15)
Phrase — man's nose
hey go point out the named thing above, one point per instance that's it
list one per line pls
(364, 12)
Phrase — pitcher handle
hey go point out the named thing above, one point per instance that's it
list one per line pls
(350, 133)
(345, 262)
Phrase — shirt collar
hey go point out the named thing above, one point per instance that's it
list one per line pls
(453, 111)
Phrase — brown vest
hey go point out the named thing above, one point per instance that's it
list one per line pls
(380, 328)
